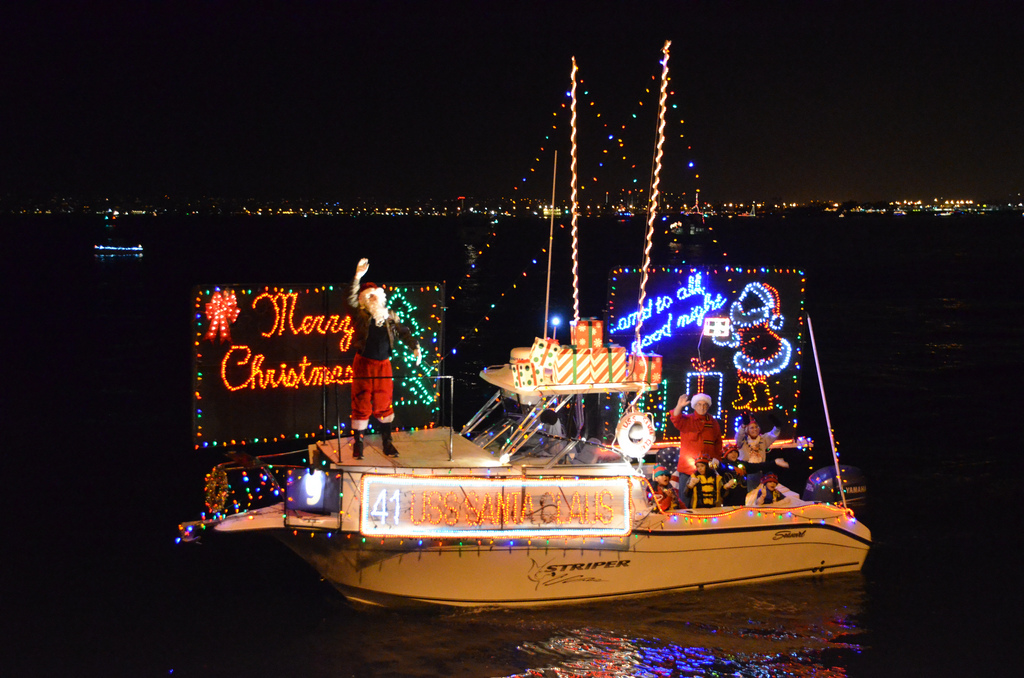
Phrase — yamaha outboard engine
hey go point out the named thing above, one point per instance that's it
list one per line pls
(822, 486)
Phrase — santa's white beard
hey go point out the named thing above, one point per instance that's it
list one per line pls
(379, 313)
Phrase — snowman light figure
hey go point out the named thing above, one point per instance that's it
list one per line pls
(754, 324)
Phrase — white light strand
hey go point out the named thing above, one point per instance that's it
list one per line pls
(652, 209)
(575, 209)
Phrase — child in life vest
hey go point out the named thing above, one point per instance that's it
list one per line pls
(663, 492)
(704, 486)
(734, 478)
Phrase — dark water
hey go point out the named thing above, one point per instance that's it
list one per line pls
(918, 325)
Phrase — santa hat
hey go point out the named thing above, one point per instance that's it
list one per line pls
(697, 398)
(769, 478)
(729, 450)
(660, 471)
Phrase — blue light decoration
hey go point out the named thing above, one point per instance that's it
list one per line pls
(760, 351)
(690, 303)
(733, 333)
(704, 380)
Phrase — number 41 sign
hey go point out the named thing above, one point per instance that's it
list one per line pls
(409, 506)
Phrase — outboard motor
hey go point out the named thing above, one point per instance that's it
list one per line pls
(822, 487)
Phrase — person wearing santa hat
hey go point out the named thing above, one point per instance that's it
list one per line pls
(663, 493)
(769, 491)
(734, 478)
(700, 435)
(376, 329)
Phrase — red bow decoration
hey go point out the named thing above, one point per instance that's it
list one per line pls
(702, 365)
(221, 311)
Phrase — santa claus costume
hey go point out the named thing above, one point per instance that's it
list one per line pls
(699, 434)
(376, 329)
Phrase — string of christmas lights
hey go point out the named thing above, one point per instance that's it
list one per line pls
(508, 290)
(575, 208)
(492, 235)
(612, 150)
(652, 211)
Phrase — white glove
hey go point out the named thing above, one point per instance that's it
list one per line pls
(418, 354)
(714, 462)
(779, 461)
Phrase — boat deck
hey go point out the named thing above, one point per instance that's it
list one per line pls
(427, 448)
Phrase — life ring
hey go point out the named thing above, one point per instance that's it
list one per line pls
(635, 434)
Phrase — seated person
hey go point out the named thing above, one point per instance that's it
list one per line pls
(704, 486)
(771, 493)
(664, 494)
(734, 478)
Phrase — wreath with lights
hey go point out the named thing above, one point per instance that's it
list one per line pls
(217, 491)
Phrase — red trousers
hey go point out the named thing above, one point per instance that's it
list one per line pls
(371, 391)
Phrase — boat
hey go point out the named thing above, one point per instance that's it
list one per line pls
(513, 514)
(117, 247)
(690, 233)
(524, 506)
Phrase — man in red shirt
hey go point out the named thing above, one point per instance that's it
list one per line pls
(700, 435)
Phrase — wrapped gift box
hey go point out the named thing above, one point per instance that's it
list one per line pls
(542, 355)
(609, 364)
(572, 366)
(587, 333)
(524, 374)
(645, 367)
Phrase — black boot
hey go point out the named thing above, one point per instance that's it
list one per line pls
(357, 444)
(385, 439)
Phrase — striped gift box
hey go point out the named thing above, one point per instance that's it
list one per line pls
(572, 367)
(609, 364)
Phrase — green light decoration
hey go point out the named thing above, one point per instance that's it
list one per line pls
(418, 387)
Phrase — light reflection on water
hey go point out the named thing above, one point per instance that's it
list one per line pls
(800, 627)
(793, 628)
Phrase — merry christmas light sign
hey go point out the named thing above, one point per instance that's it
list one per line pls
(275, 362)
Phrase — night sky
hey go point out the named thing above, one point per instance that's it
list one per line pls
(400, 100)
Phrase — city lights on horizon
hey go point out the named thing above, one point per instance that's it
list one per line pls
(627, 204)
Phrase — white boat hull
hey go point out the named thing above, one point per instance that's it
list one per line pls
(601, 540)
(671, 555)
